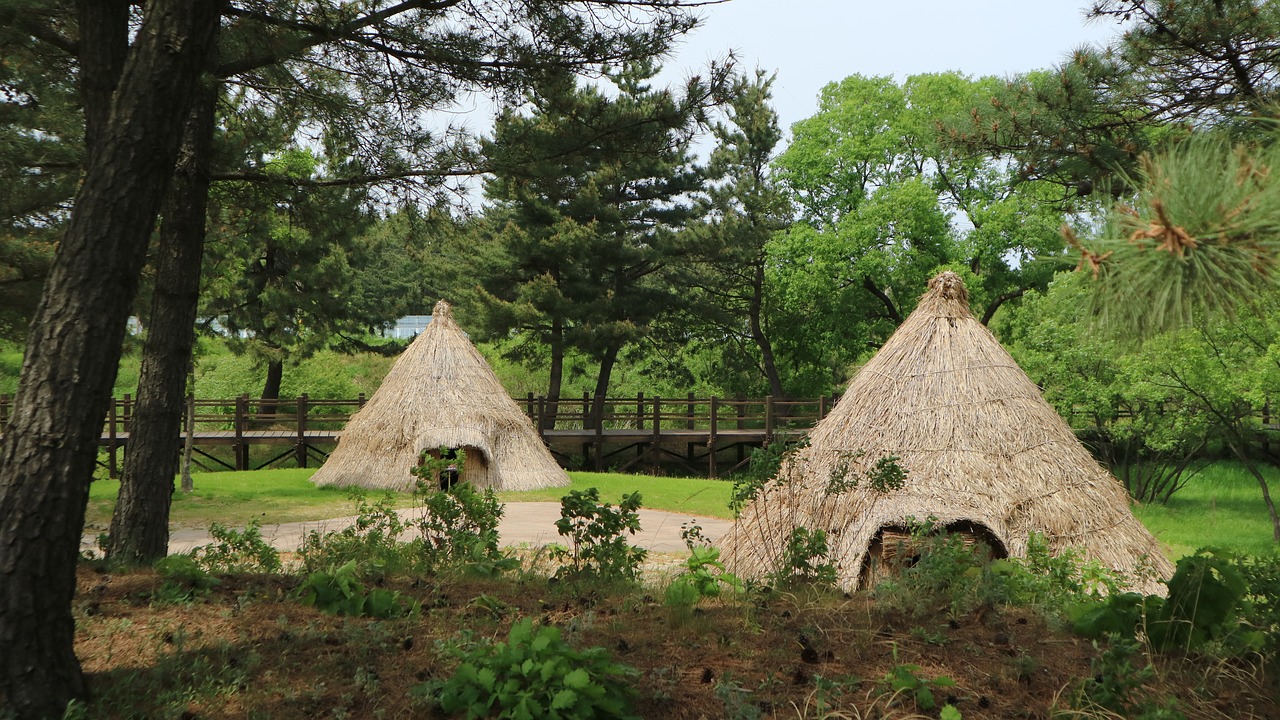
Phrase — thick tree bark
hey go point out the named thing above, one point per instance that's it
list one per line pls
(140, 523)
(48, 452)
(104, 48)
(602, 385)
(271, 388)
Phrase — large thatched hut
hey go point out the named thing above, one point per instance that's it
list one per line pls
(441, 394)
(984, 455)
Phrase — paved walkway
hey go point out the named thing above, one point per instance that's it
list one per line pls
(523, 523)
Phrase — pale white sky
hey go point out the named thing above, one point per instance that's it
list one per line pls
(810, 43)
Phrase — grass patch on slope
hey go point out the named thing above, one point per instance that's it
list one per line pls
(1220, 507)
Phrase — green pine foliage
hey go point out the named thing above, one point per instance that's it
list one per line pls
(1200, 239)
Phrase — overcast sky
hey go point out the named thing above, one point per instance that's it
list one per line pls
(810, 43)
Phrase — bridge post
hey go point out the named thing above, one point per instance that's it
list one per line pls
(656, 444)
(598, 421)
(768, 420)
(711, 438)
(689, 425)
(241, 448)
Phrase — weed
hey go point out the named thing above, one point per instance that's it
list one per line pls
(764, 466)
(883, 477)
(536, 674)
(372, 541)
(340, 592)
(1120, 675)
(738, 704)
(905, 680)
(183, 579)
(806, 560)
(237, 551)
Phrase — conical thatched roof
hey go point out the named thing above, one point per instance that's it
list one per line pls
(441, 392)
(980, 446)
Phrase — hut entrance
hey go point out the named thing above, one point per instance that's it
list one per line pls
(894, 548)
(448, 464)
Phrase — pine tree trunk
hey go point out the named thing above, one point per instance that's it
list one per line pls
(140, 522)
(754, 312)
(602, 385)
(49, 448)
(271, 388)
(557, 375)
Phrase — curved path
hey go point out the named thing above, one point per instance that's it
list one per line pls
(523, 523)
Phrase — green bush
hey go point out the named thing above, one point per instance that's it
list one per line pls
(598, 548)
(340, 592)
(806, 560)
(183, 579)
(1261, 607)
(1207, 597)
(237, 551)
(535, 674)
(372, 541)
(459, 528)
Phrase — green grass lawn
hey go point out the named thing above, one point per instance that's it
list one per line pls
(1221, 506)
(278, 496)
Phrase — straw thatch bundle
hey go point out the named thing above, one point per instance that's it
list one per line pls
(982, 449)
(441, 392)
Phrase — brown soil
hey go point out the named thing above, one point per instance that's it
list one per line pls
(249, 649)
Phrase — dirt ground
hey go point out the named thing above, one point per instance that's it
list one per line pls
(249, 649)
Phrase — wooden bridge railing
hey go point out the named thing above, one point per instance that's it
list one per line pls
(642, 421)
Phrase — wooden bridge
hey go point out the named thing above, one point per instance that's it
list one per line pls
(688, 435)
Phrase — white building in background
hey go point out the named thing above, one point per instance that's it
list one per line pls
(407, 327)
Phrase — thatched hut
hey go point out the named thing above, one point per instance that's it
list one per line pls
(441, 394)
(984, 455)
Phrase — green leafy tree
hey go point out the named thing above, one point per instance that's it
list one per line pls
(350, 84)
(888, 199)
(281, 272)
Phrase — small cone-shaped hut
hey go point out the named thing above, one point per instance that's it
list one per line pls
(984, 454)
(441, 393)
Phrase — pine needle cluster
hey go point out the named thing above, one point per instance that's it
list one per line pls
(1200, 238)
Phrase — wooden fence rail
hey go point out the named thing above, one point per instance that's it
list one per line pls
(611, 432)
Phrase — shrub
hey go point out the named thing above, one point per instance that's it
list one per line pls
(597, 546)
(459, 527)
(535, 674)
(340, 592)
(1207, 596)
(237, 551)
(1261, 609)
(372, 541)
(806, 560)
